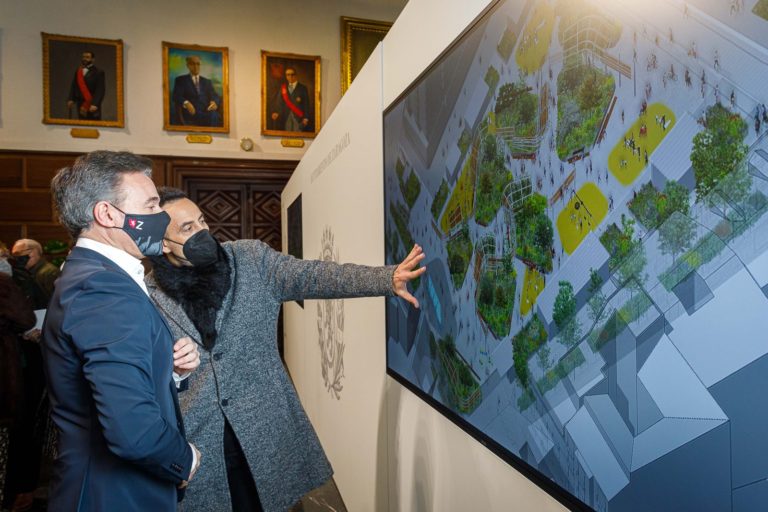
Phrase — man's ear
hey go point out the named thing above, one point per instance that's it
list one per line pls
(105, 216)
(166, 247)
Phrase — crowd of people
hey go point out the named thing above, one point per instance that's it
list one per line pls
(166, 389)
(26, 284)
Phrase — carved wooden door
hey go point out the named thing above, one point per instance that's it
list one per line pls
(236, 210)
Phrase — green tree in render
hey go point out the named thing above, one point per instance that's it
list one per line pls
(676, 234)
(597, 299)
(565, 304)
(718, 149)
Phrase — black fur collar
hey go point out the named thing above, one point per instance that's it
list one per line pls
(199, 291)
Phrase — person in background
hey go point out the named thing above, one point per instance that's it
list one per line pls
(5, 265)
(29, 253)
(241, 408)
(25, 381)
(16, 410)
(109, 356)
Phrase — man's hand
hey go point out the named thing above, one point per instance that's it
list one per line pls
(70, 104)
(33, 335)
(274, 116)
(405, 272)
(189, 107)
(198, 456)
(185, 356)
(93, 108)
(212, 106)
(305, 121)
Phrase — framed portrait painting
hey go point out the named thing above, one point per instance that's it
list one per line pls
(195, 88)
(290, 94)
(359, 38)
(82, 81)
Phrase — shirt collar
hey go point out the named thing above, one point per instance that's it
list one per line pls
(131, 265)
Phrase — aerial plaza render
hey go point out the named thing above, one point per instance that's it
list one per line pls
(594, 241)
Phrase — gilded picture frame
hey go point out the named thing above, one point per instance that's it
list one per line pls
(359, 38)
(195, 88)
(290, 94)
(82, 81)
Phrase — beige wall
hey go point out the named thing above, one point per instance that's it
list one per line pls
(246, 27)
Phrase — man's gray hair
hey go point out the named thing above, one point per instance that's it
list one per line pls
(94, 177)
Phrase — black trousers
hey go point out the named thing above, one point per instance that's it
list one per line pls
(242, 488)
(25, 440)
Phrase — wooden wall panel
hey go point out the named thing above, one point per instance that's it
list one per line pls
(40, 170)
(26, 210)
(26, 206)
(10, 232)
(11, 172)
(47, 232)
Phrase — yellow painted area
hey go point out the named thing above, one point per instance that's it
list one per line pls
(533, 45)
(634, 165)
(462, 198)
(533, 284)
(572, 224)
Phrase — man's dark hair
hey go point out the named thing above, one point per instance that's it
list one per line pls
(170, 194)
(93, 55)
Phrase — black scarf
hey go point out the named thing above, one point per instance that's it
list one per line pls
(199, 291)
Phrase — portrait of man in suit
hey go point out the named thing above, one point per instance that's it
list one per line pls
(87, 89)
(194, 98)
(290, 94)
(195, 88)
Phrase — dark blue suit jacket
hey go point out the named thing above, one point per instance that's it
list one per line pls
(184, 90)
(109, 362)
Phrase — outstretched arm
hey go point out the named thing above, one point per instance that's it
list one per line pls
(288, 278)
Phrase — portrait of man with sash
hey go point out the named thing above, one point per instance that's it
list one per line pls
(290, 94)
(82, 81)
(87, 90)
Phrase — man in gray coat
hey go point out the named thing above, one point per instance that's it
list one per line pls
(240, 407)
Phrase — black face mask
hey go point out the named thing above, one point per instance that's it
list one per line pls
(19, 261)
(146, 230)
(201, 249)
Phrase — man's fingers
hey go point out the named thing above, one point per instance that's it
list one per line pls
(189, 362)
(405, 294)
(186, 340)
(416, 273)
(412, 259)
(416, 260)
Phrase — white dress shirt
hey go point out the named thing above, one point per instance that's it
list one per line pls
(130, 264)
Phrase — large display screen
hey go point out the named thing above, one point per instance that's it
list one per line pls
(589, 181)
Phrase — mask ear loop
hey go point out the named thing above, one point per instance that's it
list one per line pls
(182, 247)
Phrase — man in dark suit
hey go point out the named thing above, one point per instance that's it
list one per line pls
(291, 108)
(195, 101)
(87, 89)
(108, 354)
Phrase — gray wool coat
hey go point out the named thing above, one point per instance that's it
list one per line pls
(244, 379)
